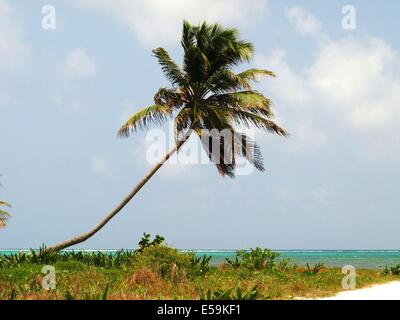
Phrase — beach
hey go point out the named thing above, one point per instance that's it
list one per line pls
(386, 291)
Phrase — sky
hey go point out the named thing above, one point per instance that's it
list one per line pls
(67, 85)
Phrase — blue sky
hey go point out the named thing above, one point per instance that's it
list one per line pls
(65, 92)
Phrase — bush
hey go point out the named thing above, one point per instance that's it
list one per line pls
(198, 266)
(253, 294)
(145, 241)
(163, 259)
(395, 270)
(257, 259)
(311, 271)
(235, 264)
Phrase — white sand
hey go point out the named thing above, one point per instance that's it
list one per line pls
(387, 291)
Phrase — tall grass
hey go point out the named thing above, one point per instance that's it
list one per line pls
(43, 257)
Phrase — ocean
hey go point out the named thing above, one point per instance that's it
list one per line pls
(368, 259)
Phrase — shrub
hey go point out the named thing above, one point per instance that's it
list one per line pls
(162, 259)
(284, 265)
(235, 264)
(394, 270)
(310, 271)
(253, 294)
(258, 259)
(145, 241)
(199, 266)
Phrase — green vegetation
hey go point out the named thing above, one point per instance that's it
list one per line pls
(4, 215)
(255, 259)
(391, 270)
(206, 95)
(253, 294)
(310, 271)
(157, 271)
(45, 257)
(145, 241)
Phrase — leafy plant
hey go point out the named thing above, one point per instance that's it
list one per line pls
(145, 241)
(310, 271)
(90, 296)
(257, 259)
(13, 295)
(235, 264)
(45, 256)
(199, 265)
(391, 270)
(162, 259)
(252, 294)
(4, 215)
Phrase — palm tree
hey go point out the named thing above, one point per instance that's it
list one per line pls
(206, 94)
(4, 215)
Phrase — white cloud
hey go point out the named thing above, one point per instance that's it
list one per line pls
(360, 79)
(288, 87)
(353, 82)
(12, 50)
(303, 21)
(160, 21)
(100, 168)
(79, 63)
(291, 91)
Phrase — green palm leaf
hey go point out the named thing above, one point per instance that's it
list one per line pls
(4, 215)
(169, 67)
(154, 115)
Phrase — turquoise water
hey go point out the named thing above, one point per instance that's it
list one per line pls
(369, 259)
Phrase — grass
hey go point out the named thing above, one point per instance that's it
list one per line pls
(160, 272)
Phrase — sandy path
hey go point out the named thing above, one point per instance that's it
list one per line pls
(387, 291)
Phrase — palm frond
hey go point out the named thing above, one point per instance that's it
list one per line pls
(255, 74)
(156, 114)
(169, 67)
(188, 37)
(4, 215)
(196, 64)
(248, 119)
(184, 122)
(219, 151)
(225, 80)
(251, 101)
(170, 97)
(246, 147)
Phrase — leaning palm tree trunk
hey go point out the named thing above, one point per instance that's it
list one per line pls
(83, 237)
